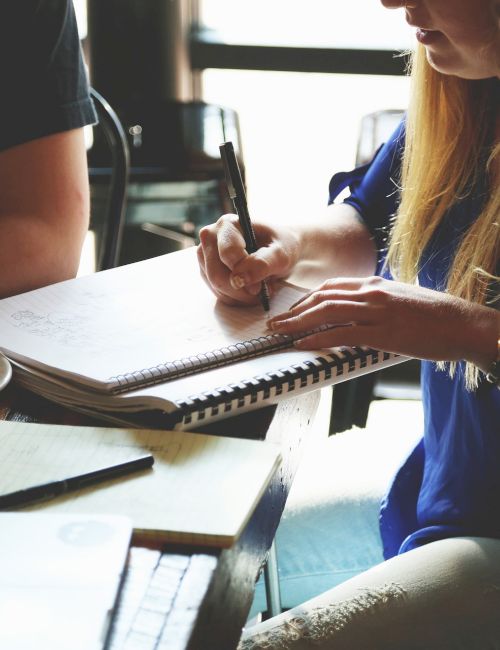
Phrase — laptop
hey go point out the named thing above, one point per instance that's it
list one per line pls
(60, 576)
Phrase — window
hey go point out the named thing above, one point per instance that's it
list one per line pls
(297, 127)
(81, 16)
(361, 24)
(300, 128)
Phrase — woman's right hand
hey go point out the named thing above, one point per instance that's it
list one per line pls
(236, 276)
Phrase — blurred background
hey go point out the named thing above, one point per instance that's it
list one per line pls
(294, 78)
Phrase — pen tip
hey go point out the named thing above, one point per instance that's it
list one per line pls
(264, 296)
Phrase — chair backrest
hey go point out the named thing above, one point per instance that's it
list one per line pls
(114, 212)
(375, 129)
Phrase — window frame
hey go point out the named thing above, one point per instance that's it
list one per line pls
(208, 50)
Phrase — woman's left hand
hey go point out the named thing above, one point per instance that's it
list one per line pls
(394, 317)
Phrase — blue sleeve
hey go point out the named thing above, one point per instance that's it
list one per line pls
(374, 188)
(44, 82)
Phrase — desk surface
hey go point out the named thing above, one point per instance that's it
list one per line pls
(221, 595)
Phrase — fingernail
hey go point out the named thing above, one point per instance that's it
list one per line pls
(237, 281)
(276, 324)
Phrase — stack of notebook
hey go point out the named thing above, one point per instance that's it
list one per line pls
(148, 344)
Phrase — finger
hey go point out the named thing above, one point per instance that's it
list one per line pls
(201, 258)
(325, 313)
(217, 276)
(327, 301)
(349, 335)
(230, 241)
(231, 253)
(325, 294)
(300, 301)
(250, 271)
(268, 261)
(217, 273)
(224, 297)
(274, 259)
(254, 289)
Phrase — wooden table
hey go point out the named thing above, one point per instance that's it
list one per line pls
(221, 597)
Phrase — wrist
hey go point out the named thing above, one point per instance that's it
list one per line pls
(482, 338)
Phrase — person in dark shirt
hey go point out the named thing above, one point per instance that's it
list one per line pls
(44, 198)
(412, 259)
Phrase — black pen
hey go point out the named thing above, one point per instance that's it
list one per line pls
(236, 191)
(56, 488)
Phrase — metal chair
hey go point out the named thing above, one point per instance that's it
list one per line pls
(351, 400)
(112, 216)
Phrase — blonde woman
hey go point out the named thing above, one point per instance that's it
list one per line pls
(414, 260)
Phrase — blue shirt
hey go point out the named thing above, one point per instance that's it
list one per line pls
(450, 483)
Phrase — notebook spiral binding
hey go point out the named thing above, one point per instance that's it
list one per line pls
(244, 394)
(206, 361)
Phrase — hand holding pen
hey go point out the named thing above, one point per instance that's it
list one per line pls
(237, 193)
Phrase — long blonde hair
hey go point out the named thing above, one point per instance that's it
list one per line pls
(448, 130)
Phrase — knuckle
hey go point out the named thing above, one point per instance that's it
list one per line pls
(282, 259)
(226, 221)
(328, 305)
(223, 219)
(379, 295)
(230, 255)
(260, 267)
(204, 235)
(327, 285)
(321, 298)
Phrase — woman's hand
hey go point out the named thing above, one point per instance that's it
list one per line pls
(394, 317)
(235, 276)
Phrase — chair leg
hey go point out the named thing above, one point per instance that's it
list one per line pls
(350, 403)
(272, 583)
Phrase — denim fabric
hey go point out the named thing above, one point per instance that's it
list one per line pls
(329, 531)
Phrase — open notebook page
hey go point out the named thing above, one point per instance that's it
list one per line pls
(201, 489)
(128, 319)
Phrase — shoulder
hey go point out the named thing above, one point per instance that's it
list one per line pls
(43, 77)
(27, 24)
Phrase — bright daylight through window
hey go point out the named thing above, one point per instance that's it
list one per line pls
(300, 128)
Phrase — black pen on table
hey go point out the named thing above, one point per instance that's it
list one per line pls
(57, 488)
(236, 191)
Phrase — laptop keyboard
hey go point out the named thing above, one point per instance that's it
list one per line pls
(159, 600)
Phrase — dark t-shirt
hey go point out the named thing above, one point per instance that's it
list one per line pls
(43, 79)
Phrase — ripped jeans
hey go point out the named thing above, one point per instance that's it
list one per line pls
(442, 596)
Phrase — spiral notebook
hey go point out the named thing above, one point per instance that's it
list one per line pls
(149, 344)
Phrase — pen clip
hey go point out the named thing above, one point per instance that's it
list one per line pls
(230, 167)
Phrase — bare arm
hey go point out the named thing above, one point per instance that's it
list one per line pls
(395, 317)
(336, 246)
(44, 211)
